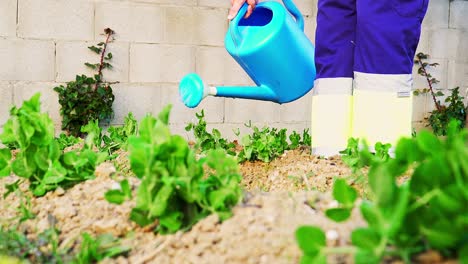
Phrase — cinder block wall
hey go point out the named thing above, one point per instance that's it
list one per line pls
(43, 43)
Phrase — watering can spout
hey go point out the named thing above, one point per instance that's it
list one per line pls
(192, 91)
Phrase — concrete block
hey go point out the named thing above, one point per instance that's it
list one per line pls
(136, 98)
(450, 44)
(6, 101)
(424, 42)
(71, 57)
(437, 15)
(180, 25)
(458, 76)
(179, 129)
(215, 3)
(307, 7)
(169, 2)
(217, 67)
(439, 72)
(51, 19)
(211, 26)
(26, 60)
(297, 111)
(8, 15)
(422, 106)
(131, 21)
(160, 63)
(458, 13)
(310, 24)
(418, 126)
(49, 98)
(242, 110)
(213, 107)
(204, 26)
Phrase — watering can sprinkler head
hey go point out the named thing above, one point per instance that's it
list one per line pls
(272, 49)
(192, 90)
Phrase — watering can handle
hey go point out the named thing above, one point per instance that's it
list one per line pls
(292, 8)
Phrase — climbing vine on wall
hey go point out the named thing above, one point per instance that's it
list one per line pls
(88, 98)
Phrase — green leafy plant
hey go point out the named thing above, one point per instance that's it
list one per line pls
(345, 196)
(453, 108)
(65, 141)
(207, 140)
(93, 250)
(88, 98)
(296, 141)
(268, 143)
(357, 159)
(174, 188)
(116, 137)
(118, 196)
(44, 249)
(427, 212)
(39, 157)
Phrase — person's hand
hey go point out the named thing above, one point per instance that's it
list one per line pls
(237, 4)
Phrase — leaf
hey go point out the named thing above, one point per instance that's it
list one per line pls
(338, 214)
(170, 223)
(140, 217)
(23, 165)
(163, 116)
(382, 184)
(41, 157)
(55, 174)
(366, 257)
(114, 196)
(5, 158)
(318, 259)
(365, 238)
(126, 189)
(463, 254)
(310, 239)
(440, 236)
(370, 213)
(344, 193)
(429, 143)
(95, 49)
(160, 203)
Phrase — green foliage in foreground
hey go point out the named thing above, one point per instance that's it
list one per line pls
(40, 158)
(15, 247)
(174, 186)
(427, 212)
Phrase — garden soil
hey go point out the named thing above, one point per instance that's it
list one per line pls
(280, 196)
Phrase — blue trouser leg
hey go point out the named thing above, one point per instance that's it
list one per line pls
(335, 34)
(387, 34)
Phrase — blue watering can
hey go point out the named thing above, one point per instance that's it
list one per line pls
(274, 51)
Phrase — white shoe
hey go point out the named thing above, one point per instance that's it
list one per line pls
(331, 115)
(382, 107)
